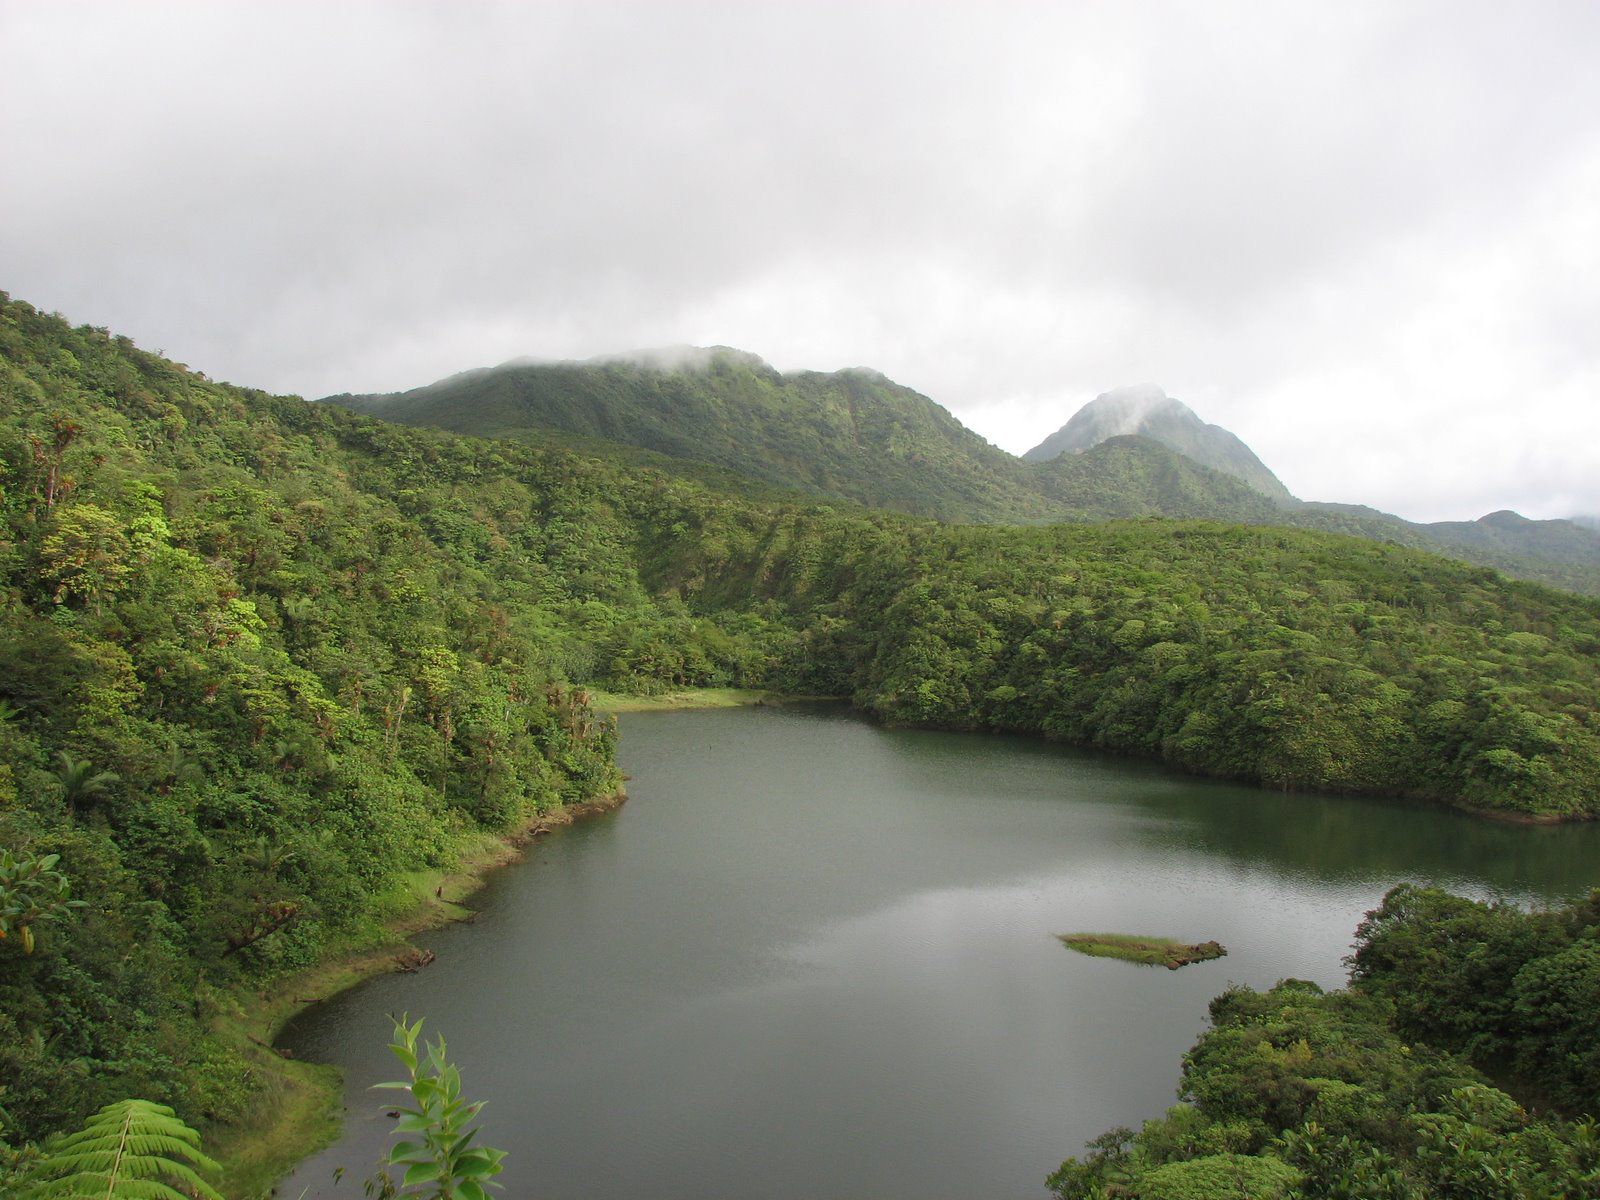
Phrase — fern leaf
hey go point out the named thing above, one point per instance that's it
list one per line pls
(130, 1150)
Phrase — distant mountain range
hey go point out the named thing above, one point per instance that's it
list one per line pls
(850, 435)
(857, 436)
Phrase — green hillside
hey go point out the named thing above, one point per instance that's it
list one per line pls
(857, 437)
(1512, 533)
(852, 435)
(1565, 553)
(262, 662)
(1561, 553)
(1135, 476)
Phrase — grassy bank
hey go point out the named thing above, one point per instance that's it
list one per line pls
(1148, 951)
(685, 698)
(300, 1108)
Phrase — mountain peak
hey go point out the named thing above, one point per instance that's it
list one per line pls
(1127, 410)
(1145, 395)
(1146, 410)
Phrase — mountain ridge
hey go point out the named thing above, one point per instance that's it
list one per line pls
(854, 435)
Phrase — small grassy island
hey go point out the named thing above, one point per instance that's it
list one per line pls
(1150, 951)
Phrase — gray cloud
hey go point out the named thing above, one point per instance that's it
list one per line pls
(1365, 237)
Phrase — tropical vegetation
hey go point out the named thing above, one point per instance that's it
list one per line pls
(1420, 1081)
(136, 1150)
(262, 662)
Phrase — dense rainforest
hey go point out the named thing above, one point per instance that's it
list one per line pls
(857, 436)
(260, 660)
(240, 697)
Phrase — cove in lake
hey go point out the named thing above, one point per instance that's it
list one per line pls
(813, 957)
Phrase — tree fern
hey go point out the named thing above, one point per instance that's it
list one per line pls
(130, 1150)
(80, 782)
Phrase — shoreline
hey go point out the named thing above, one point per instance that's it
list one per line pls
(685, 699)
(302, 1102)
(1505, 816)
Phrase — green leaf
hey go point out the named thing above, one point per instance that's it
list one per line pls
(130, 1150)
(420, 1173)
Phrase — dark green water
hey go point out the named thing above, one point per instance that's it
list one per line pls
(813, 958)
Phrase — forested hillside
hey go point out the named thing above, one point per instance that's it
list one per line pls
(857, 436)
(242, 696)
(851, 435)
(1296, 659)
(1562, 553)
(1134, 476)
(259, 659)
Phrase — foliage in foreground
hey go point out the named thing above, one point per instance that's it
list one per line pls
(438, 1159)
(1358, 1094)
(129, 1150)
(1516, 992)
(32, 892)
(136, 1150)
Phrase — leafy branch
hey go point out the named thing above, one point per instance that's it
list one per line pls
(31, 890)
(441, 1163)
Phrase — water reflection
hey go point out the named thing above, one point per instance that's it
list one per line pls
(815, 957)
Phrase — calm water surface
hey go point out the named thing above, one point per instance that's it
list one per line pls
(813, 958)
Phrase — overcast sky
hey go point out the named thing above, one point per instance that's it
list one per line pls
(1365, 237)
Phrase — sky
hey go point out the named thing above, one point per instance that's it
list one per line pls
(1363, 236)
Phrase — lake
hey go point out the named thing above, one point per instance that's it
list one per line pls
(812, 957)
